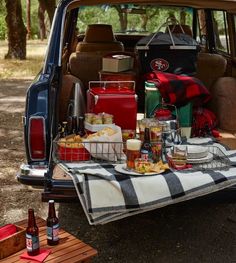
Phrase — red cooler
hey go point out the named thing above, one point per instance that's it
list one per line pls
(114, 97)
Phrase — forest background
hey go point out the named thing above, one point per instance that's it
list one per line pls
(34, 16)
(26, 20)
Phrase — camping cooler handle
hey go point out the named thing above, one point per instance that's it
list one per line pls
(163, 104)
(169, 21)
(105, 84)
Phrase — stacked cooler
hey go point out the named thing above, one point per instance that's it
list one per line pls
(117, 98)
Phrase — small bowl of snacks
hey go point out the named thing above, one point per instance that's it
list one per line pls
(143, 165)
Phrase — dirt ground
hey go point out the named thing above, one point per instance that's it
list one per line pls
(198, 231)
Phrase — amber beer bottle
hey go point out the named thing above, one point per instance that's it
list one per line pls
(146, 147)
(32, 235)
(64, 129)
(74, 125)
(52, 225)
(81, 129)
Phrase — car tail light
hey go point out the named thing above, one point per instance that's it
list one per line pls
(37, 140)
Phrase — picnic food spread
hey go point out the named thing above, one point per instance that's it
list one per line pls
(138, 163)
(157, 139)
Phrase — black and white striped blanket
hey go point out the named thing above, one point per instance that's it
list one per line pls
(107, 195)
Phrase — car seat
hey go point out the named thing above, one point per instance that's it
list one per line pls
(210, 67)
(86, 62)
(211, 70)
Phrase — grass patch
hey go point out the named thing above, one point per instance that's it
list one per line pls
(21, 69)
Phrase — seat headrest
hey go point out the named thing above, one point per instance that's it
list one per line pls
(99, 33)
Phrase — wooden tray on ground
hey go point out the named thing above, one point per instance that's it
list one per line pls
(69, 250)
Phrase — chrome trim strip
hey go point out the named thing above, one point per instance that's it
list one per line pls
(49, 41)
(62, 29)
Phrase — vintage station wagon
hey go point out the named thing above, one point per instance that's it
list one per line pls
(85, 32)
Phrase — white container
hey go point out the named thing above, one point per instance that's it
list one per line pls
(186, 131)
(117, 63)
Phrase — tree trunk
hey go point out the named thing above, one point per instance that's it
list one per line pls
(146, 17)
(42, 27)
(123, 18)
(183, 17)
(28, 18)
(49, 6)
(202, 21)
(16, 30)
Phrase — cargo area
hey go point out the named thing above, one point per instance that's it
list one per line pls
(110, 82)
(125, 73)
(153, 91)
(123, 83)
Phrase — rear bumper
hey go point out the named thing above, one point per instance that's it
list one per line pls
(58, 190)
(32, 175)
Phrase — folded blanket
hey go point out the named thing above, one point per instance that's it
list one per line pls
(179, 89)
(107, 195)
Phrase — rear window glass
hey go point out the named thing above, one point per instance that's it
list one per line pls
(132, 19)
(221, 34)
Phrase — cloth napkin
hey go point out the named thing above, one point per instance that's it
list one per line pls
(39, 258)
(179, 89)
(7, 230)
(106, 147)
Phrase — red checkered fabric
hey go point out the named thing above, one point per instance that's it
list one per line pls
(179, 89)
(204, 123)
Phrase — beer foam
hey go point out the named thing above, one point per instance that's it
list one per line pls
(133, 144)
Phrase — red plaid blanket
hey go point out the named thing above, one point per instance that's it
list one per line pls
(179, 89)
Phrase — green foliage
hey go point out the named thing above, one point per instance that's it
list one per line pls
(34, 18)
(102, 14)
(2, 7)
(97, 14)
(3, 27)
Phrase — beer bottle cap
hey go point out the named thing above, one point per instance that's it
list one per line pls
(51, 201)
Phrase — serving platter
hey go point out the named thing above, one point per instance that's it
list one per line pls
(121, 168)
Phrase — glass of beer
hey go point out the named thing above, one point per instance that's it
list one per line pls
(155, 131)
(132, 152)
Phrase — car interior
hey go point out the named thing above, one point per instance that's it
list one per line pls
(82, 62)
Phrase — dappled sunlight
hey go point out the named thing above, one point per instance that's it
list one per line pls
(7, 107)
(16, 208)
(13, 212)
(9, 170)
(14, 153)
(8, 84)
(18, 138)
(12, 99)
(12, 68)
(12, 135)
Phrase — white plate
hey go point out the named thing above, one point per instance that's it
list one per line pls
(121, 168)
(194, 151)
(205, 159)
